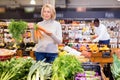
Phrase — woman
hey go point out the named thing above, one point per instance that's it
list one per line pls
(47, 47)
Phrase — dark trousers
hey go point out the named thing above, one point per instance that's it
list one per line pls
(106, 42)
(49, 57)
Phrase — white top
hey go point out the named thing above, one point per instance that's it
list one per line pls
(49, 44)
(102, 33)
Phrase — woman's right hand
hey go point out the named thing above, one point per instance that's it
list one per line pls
(31, 25)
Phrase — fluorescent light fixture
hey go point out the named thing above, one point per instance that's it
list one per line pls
(118, 0)
(29, 9)
(32, 2)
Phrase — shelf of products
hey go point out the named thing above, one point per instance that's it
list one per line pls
(6, 40)
(2, 36)
(82, 31)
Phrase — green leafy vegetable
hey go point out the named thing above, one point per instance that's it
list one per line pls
(17, 28)
(15, 69)
(65, 67)
(40, 71)
(115, 67)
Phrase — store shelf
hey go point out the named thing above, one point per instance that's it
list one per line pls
(21, 53)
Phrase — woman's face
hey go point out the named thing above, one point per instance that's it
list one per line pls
(47, 13)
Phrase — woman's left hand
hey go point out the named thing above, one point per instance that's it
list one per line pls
(45, 31)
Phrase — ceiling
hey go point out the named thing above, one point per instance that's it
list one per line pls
(24, 3)
(95, 3)
(63, 3)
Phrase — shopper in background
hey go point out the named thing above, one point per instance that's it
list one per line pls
(101, 32)
(47, 47)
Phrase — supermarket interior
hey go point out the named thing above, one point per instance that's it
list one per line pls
(80, 26)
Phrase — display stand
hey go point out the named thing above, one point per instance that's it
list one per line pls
(97, 57)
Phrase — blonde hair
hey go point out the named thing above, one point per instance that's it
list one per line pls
(53, 11)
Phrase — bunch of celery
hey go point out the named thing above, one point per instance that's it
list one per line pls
(65, 67)
(115, 67)
(40, 71)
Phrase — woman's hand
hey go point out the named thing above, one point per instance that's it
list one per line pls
(48, 33)
(45, 31)
(31, 25)
(42, 29)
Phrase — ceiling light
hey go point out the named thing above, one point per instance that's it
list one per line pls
(32, 2)
(29, 9)
(118, 0)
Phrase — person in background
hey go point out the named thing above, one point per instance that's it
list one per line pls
(47, 47)
(101, 32)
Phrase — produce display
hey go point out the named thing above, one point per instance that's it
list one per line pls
(40, 71)
(3, 24)
(115, 67)
(104, 47)
(90, 47)
(66, 50)
(88, 75)
(94, 48)
(92, 71)
(6, 54)
(64, 68)
(15, 69)
(83, 48)
(17, 28)
(67, 66)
